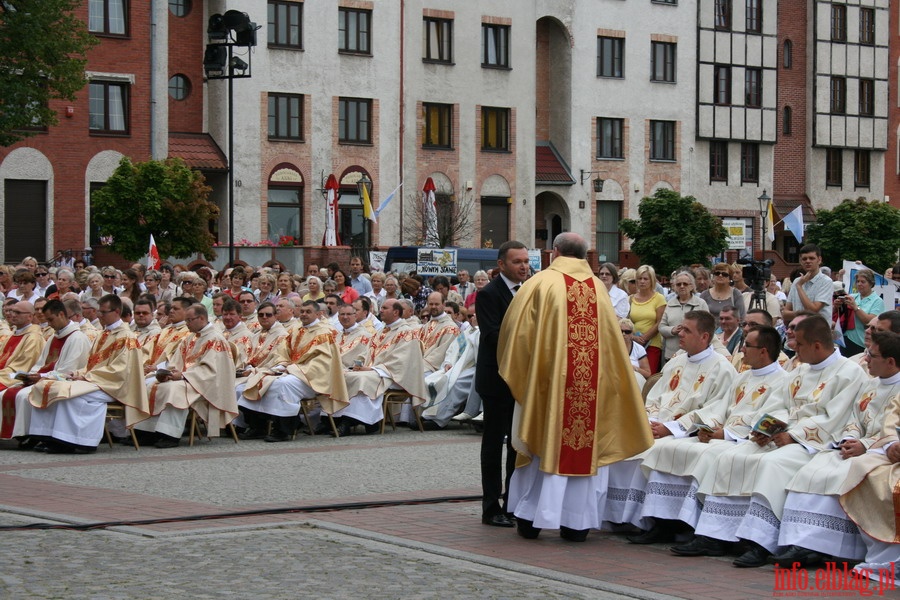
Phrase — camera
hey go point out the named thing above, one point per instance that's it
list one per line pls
(756, 273)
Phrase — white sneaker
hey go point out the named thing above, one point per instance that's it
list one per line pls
(462, 417)
(479, 418)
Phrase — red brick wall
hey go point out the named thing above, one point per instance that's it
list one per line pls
(187, 37)
(69, 145)
(789, 178)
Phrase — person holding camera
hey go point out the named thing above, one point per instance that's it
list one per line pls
(864, 305)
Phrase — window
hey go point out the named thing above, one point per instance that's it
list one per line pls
(494, 221)
(867, 97)
(107, 16)
(749, 163)
(354, 31)
(609, 138)
(753, 87)
(285, 196)
(662, 140)
(285, 24)
(723, 14)
(718, 161)
(787, 117)
(664, 1)
(494, 45)
(754, 16)
(610, 57)
(494, 128)
(867, 26)
(722, 85)
(662, 61)
(834, 167)
(180, 8)
(436, 132)
(788, 56)
(286, 117)
(861, 168)
(437, 42)
(354, 116)
(179, 87)
(838, 95)
(108, 107)
(838, 23)
(608, 240)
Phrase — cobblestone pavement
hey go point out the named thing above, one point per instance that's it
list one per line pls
(401, 549)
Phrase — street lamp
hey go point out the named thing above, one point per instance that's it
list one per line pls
(219, 62)
(763, 214)
(364, 183)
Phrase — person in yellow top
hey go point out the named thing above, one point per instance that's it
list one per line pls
(647, 308)
(578, 407)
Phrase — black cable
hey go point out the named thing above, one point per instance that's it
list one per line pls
(243, 513)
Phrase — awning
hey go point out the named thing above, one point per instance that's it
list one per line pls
(783, 206)
(198, 150)
(549, 167)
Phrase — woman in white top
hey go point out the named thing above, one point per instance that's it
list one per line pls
(94, 287)
(609, 275)
(25, 292)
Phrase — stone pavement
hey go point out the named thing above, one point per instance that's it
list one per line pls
(427, 550)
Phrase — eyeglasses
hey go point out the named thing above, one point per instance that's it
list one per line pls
(109, 277)
(791, 327)
(631, 281)
(141, 313)
(682, 284)
(265, 315)
(17, 312)
(721, 274)
(41, 274)
(105, 312)
(627, 331)
(194, 318)
(870, 354)
(742, 323)
(751, 346)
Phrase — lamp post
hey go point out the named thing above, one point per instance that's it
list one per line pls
(763, 214)
(219, 62)
(364, 183)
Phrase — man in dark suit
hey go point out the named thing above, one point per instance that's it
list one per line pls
(490, 306)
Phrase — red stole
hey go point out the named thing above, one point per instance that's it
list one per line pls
(579, 412)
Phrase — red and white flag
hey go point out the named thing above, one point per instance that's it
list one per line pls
(153, 262)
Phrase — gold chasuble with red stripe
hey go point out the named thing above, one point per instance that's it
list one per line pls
(562, 354)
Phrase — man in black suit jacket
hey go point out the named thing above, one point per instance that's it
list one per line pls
(490, 306)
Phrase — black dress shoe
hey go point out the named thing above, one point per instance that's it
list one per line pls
(40, 447)
(755, 557)
(527, 530)
(277, 436)
(373, 428)
(323, 427)
(28, 443)
(53, 448)
(796, 554)
(700, 546)
(659, 533)
(573, 535)
(167, 441)
(427, 425)
(499, 520)
(252, 434)
(343, 429)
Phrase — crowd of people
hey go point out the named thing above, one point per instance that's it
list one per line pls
(767, 419)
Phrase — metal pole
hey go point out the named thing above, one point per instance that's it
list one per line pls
(230, 159)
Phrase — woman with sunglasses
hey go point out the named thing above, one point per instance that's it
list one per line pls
(636, 352)
(721, 294)
(683, 302)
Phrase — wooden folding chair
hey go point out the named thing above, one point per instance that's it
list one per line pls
(116, 410)
(398, 398)
(306, 404)
(197, 425)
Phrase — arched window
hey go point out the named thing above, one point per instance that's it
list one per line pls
(788, 57)
(786, 120)
(285, 202)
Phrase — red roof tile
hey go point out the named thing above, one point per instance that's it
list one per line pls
(198, 150)
(549, 168)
